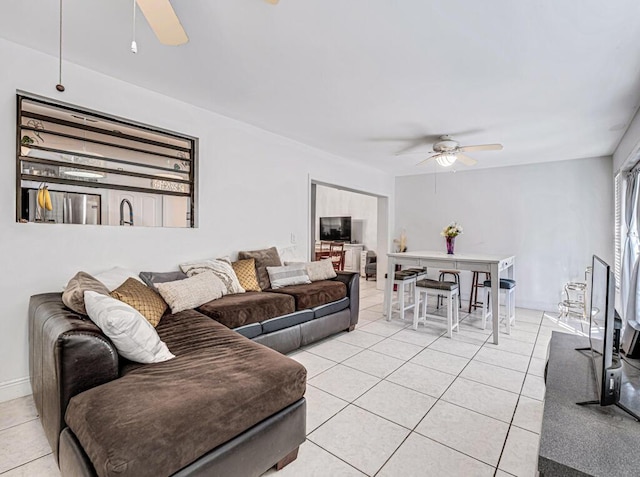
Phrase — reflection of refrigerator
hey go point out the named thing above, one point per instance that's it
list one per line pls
(68, 208)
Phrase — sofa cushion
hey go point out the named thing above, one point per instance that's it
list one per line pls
(250, 331)
(330, 308)
(234, 311)
(185, 407)
(286, 321)
(315, 294)
(264, 258)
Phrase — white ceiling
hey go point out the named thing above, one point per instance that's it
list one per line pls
(549, 79)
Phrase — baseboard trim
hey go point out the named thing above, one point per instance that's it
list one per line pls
(14, 389)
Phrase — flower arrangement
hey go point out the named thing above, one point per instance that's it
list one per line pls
(401, 243)
(451, 230)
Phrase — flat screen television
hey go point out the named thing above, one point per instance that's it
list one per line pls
(604, 352)
(335, 228)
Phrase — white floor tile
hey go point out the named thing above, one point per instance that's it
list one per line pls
(344, 382)
(360, 438)
(495, 376)
(321, 406)
(466, 431)
(314, 364)
(377, 364)
(529, 414)
(396, 403)
(422, 457)
(511, 346)
(313, 461)
(369, 315)
(397, 349)
(490, 355)
(360, 338)
(520, 335)
(520, 455)
(534, 387)
(22, 443)
(334, 350)
(17, 411)
(423, 336)
(447, 363)
(421, 379)
(458, 348)
(384, 328)
(43, 467)
(536, 367)
(481, 398)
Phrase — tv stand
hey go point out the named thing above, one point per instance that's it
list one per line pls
(585, 440)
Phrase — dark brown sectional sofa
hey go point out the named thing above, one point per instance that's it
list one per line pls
(224, 406)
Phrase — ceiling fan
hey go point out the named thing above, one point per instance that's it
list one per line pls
(164, 22)
(447, 151)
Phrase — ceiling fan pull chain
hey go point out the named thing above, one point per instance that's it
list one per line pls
(134, 45)
(60, 86)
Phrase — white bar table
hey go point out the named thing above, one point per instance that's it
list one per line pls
(494, 264)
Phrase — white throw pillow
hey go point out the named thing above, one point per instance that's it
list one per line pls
(221, 268)
(321, 270)
(288, 275)
(191, 292)
(132, 335)
(115, 277)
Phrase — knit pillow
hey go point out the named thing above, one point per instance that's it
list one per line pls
(320, 270)
(221, 268)
(191, 292)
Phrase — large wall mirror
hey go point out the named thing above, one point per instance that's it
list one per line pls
(82, 167)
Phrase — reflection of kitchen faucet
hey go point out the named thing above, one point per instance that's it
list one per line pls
(122, 221)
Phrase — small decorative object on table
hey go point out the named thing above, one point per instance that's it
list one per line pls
(401, 243)
(450, 232)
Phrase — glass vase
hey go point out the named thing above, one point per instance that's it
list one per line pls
(450, 243)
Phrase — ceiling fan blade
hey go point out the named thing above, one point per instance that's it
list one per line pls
(466, 160)
(426, 160)
(483, 147)
(163, 21)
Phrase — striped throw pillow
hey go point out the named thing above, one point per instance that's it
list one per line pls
(288, 275)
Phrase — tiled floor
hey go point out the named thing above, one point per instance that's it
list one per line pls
(385, 400)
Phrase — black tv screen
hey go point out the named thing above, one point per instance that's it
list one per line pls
(601, 327)
(335, 228)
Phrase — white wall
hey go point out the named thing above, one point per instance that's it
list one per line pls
(253, 192)
(332, 202)
(551, 216)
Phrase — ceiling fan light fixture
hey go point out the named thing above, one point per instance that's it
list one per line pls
(446, 159)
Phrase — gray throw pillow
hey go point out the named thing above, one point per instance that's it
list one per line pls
(151, 278)
(267, 257)
(73, 296)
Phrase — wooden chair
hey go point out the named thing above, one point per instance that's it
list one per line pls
(336, 253)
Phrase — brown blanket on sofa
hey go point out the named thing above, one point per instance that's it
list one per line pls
(160, 417)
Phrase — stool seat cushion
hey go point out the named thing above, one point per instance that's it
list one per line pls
(402, 275)
(417, 271)
(452, 272)
(437, 285)
(505, 283)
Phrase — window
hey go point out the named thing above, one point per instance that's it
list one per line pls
(619, 198)
(101, 170)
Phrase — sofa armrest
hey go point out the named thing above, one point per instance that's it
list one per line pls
(68, 354)
(352, 280)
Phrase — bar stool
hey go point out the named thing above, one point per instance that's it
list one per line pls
(451, 293)
(404, 280)
(455, 274)
(509, 288)
(475, 284)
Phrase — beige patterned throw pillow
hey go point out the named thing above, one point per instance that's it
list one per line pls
(142, 298)
(73, 295)
(192, 292)
(321, 270)
(221, 268)
(246, 273)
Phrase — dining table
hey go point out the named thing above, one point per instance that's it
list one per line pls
(479, 262)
